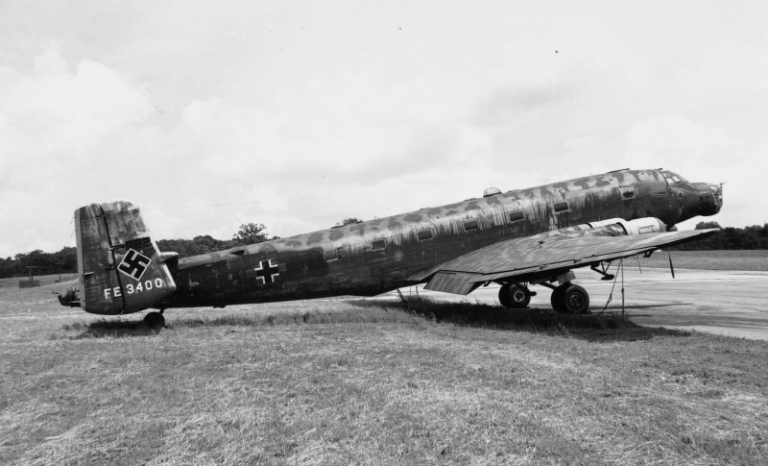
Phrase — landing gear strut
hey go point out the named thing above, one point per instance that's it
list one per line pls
(514, 296)
(154, 320)
(570, 299)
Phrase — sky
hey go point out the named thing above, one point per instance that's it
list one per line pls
(297, 115)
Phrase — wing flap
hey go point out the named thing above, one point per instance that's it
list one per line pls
(453, 282)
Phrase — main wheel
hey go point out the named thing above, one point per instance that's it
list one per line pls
(557, 300)
(570, 299)
(154, 320)
(514, 296)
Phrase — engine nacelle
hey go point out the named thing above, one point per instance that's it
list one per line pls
(610, 227)
(638, 226)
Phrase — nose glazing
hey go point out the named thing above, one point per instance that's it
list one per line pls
(710, 198)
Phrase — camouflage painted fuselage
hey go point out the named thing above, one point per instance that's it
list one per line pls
(383, 254)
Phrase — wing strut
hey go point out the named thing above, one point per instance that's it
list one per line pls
(671, 267)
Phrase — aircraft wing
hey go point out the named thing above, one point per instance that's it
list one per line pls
(524, 259)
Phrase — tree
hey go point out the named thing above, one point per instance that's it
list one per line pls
(708, 225)
(250, 233)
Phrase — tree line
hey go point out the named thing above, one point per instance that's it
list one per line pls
(65, 261)
(753, 237)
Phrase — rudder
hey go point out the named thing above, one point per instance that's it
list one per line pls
(121, 269)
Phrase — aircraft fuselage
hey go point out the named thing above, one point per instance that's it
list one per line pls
(379, 255)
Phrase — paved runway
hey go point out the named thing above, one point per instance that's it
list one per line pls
(721, 302)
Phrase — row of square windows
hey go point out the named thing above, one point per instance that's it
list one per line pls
(469, 225)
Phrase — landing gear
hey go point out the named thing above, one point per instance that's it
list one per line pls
(154, 320)
(570, 299)
(514, 296)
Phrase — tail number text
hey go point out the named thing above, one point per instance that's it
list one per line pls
(111, 293)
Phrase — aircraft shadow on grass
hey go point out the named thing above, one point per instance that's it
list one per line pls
(113, 329)
(105, 328)
(591, 327)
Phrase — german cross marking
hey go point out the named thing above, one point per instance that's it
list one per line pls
(266, 272)
(134, 264)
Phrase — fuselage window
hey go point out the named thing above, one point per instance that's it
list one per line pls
(628, 193)
(471, 225)
(425, 235)
(332, 255)
(561, 207)
(378, 245)
(516, 216)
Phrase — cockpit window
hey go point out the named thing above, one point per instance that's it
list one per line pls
(673, 178)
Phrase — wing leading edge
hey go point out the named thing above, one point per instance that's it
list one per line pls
(526, 259)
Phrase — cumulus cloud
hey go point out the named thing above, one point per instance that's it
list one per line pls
(56, 115)
(51, 118)
(83, 105)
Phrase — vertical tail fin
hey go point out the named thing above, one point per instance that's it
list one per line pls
(119, 266)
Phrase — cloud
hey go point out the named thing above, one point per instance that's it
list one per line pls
(51, 120)
(55, 115)
(705, 153)
(209, 117)
(666, 139)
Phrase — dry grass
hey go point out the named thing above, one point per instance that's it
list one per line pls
(756, 260)
(364, 382)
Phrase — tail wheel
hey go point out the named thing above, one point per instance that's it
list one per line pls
(570, 299)
(514, 296)
(154, 320)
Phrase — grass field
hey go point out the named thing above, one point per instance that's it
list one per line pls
(755, 260)
(365, 382)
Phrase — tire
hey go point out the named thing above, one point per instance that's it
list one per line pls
(557, 300)
(504, 296)
(575, 299)
(154, 320)
(519, 296)
(514, 296)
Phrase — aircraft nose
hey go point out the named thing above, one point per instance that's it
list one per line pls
(710, 197)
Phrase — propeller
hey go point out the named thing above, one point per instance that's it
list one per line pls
(671, 267)
(720, 194)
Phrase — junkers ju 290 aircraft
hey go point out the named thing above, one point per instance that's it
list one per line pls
(518, 239)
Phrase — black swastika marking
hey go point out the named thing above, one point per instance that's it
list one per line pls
(134, 264)
(266, 272)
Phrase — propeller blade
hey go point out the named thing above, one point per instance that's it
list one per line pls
(671, 267)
